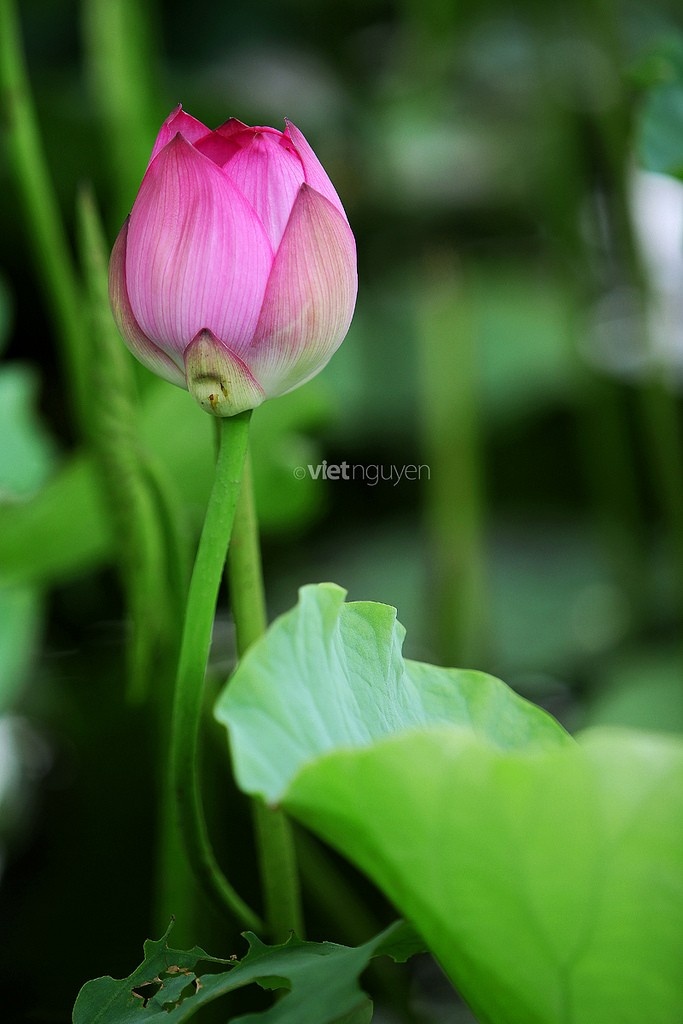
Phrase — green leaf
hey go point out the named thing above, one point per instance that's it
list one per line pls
(5, 314)
(66, 528)
(547, 883)
(332, 675)
(545, 874)
(62, 531)
(658, 74)
(321, 979)
(20, 621)
(27, 453)
(661, 130)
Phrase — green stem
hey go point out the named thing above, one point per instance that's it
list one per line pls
(658, 405)
(612, 483)
(662, 428)
(121, 65)
(454, 495)
(247, 595)
(175, 887)
(334, 895)
(50, 247)
(277, 857)
(113, 432)
(194, 654)
(171, 517)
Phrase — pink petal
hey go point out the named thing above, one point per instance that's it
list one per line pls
(269, 175)
(197, 255)
(310, 297)
(217, 147)
(178, 121)
(138, 343)
(315, 173)
(234, 126)
(222, 144)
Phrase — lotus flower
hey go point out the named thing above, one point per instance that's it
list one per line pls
(235, 274)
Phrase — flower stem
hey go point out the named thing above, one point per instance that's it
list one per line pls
(277, 857)
(49, 242)
(455, 510)
(194, 653)
(121, 62)
(136, 515)
(662, 429)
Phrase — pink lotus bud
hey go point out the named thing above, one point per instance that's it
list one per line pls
(235, 274)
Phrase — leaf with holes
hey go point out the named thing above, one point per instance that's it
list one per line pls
(320, 979)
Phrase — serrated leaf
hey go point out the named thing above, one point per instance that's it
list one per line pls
(150, 988)
(545, 874)
(332, 675)
(321, 979)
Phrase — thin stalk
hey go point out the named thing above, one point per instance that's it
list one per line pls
(50, 247)
(137, 517)
(277, 856)
(662, 427)
(603, 440)
(120, 60)
(194, 654)
(247, 593)
(334, 896)
(175, 888)
(171, 516)
(658, 406)
(612, 483)
(455, 500)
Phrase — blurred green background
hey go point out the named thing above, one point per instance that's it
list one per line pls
(511, 175)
